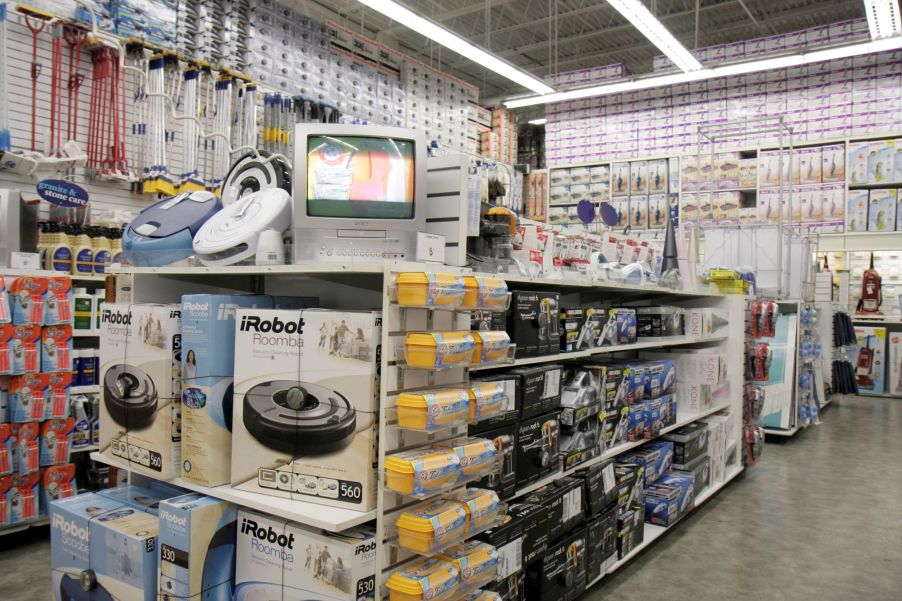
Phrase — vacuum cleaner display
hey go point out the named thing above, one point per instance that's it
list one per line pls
(492, 250)
(278, 559)
(306, 393)
(561, 573)
(255, 172)
(140, 358)
(197, 549)
(505, 481)
(164, 232)
(538, 447)
(534, 323)
(871, 292)
(869, 359)
(208, 362)
(233, 234)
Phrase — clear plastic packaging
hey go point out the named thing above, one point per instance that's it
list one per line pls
(431, 579)
(438, 350)
(485, 292)
(486, 400)
(436, 410)
(429, 290)
(430, 527)
(477, 562)
(422, 472)
(490, 347)
(476, 455)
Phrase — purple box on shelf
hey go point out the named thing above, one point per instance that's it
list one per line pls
(734, 51)
(794, 40)
(817, 36)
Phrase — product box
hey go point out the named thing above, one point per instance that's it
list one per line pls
(689, 442)
(521, 539)
(57, 482)
(126, 564)
(58, 301)
(20, 349)
(71, 550)
(620, 179)
(659, 377)
(601, 542)
(655, 457)
(56, 348)
(56, 441)
(572, 320)
(505, 441)
(304, 421)
(141, 498)
(657, 176)
(833, 163)
(208, 361)
(870, 365)
(562, 501)
(881, 154)
(699, 468)
(620, 328)
(621, 207)
(56, 399)
(669, 499)
(882, 210)
(638, 178)
(7, 449)
(858, 162)
(857, 211)
(534, 323)
(511, 587)
(657, 211)
(279, 559)
(630, 485)
(27, 397)
(660, 322)
(539, 389)
(27, 439)
(26, 296)
(810, 164)
(197, 548)
(538, 447)
(638, 212)
(140, 408)
(599, 488)
(895, 369)
(511, 413)
(560, 575)
(748, 173)
(630, 530)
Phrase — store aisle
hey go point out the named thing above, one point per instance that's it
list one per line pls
(813, 521)
(817, 519)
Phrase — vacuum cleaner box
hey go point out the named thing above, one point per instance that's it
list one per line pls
(505, 441)
(521, 538)
(208, 363)
(534, 323)
(141, 498)
(278, 559)
(197, 548)
(124, 555)
(601, 543)
(561, 573)
(306, 395)
(140, 409)
(538, 447)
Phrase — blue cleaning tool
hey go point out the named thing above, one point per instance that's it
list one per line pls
(219, 566)
(163, 233)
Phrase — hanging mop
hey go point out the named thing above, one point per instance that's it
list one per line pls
(191, 179)
(5, 140)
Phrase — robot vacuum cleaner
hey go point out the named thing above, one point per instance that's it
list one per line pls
(252, 173)
(298, 418)
(231, 235)
(163, 233)
(83, 589)
(130, 396)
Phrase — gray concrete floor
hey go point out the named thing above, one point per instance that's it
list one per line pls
(818, 518)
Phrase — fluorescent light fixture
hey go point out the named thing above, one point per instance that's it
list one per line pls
(884, 19)
(777, 62)
(642, 19)
(452, 41)
(541, 121)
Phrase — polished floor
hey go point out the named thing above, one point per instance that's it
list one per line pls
(820, 518)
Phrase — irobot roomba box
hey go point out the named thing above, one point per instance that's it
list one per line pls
(140, 408)
(306, 394)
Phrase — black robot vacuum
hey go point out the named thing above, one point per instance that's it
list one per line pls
(299, 418)
(130, 396)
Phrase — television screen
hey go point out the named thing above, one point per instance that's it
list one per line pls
(360, 177)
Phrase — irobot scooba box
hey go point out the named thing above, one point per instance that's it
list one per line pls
(306, 393)
(140, 409)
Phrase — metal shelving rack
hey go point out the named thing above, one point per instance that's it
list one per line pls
(366, 286)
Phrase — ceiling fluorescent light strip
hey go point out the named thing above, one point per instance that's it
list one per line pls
(884, 19)
(452, 41)
(541, 121)
(642, 19)
(778, 62)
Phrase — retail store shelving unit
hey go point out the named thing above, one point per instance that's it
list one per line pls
(366, 286)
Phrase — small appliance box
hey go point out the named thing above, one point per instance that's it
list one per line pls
(833, 163)
(505, 441)
(599, 488)
(140, 382)
(538, 447)
(895, 363)
(56, 348)
(560, 575)
(278, 559)
(857, 212)
(520, 539)
(870, 373)
(882, 210)
(197, 548)
(689, 442)
(139, 497)
(208, 361)
(306, 395)
(58, 301)
(124, 554)
(71, 550)
(534, 323)
(563, 504)
(667, 500)
(601, 542)
(630, 530)
(539, 390)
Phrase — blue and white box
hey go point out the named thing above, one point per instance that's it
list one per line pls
(208, 367)
(197, 548)
(124, 554)
(144, 499)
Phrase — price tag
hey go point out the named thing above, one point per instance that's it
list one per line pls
(430, 248)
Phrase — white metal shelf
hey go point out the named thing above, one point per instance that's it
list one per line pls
(88, 449)
(653, 532)
(781, 431)
(602, 350)
(859, 241)
(90, 389)
(85, 334)
(621, 448)
(40, 521)
(89, 278)
(333, 519)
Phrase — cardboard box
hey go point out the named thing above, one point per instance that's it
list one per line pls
(560, 574)
(601, 541)
(870, 374)
(141, 498)
(689, 442)
(881, 155)
(657, 176)
(882, 210)
(700, 468)
(810, 164)
(895, 362)
(521, 539)
(511, 413)
(124, 555)
(324, 357)
(277, 559)
(630, 530)
(505, 441)
(638, 206)
(539, 389)
(562, 501)
(833, 163)
(858, 162)
(669, 499)
(197, 547)
(857, 211)
(140, 354)
(620, 179)
(748, 173)
(657, 211)
(599, 488)
(534, 323)
(656, 458)
(538, 447)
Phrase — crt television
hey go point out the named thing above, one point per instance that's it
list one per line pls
(359, 192)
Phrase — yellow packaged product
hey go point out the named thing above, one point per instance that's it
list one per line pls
(477, 456)
(492, 347)
(481, 595)
(437, 350)
(428, 289)
(476, 561)
(428, 527)
(481, 506)
(433, 410)
(484, 292)
(486, 400)
(431, 579)
(422, 471)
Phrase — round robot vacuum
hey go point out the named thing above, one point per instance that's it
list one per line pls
(130, 396)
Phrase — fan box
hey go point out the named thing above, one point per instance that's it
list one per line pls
(306, 395)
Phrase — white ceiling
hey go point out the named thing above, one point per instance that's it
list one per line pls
(548, 36)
